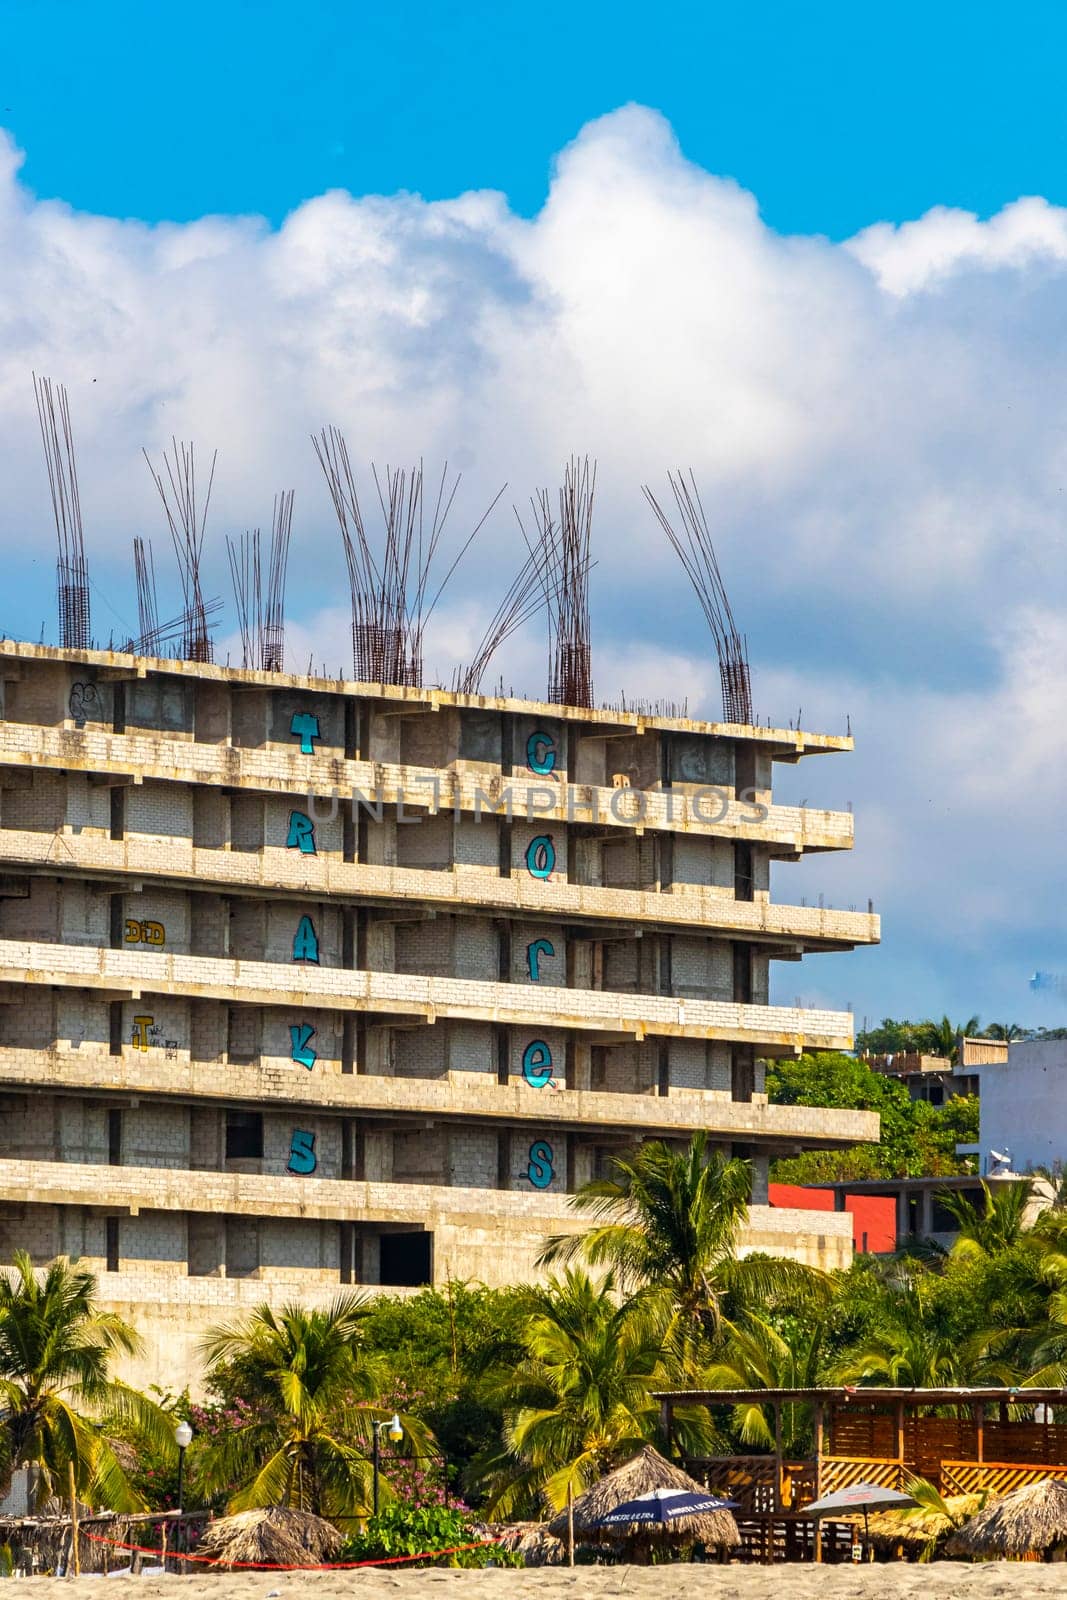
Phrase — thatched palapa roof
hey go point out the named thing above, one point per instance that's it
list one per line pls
(276, 1536)
(647, 1471)
(1031, 1518)
(532, 1541)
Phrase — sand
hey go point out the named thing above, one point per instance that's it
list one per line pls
(941, 1580)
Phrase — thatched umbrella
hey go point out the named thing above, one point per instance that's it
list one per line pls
(1033, 1518)
(647, 1471)
(916, 1531)
(276, 1536)
(532, 1541)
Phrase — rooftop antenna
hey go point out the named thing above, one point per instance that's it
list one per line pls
(562, 552)
(696, 552)
(72, 572)
(390, 581)
(186, 525)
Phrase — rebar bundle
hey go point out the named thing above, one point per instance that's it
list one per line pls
(261, 606)
(144, 567)
(72, 572)
(561, 550)
(186, 526)
(525, 597)
(696, 552)
(390, 587)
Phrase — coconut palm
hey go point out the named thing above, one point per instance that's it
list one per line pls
(581, 1400)
(910, 1342)
(995, 1225)
(56, 1397)
(668, 1223)
(944, 1036)
(752, 1354)
(307, 1439)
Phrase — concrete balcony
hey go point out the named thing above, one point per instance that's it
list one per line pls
(773, 1029)
(462, 1096)
(279, 872)
(276, 769)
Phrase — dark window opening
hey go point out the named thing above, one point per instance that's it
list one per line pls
(406, 1260)
(118, 708)
(118, 812)
(114, 1138)
(111, 1243)
(244, 1135)
(743, 881)
(115, 1028)
(742, 975)
(664, 1072)
(742, 1074)
(503, 1065)
(117, 920)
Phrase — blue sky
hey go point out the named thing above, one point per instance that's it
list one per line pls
(831, 113)
(788, 246)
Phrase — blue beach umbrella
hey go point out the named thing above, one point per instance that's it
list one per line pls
(661, 1506)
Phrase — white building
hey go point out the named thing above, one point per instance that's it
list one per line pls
(1023, 1108)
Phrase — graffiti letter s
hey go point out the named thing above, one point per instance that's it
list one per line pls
(302, 1158)
(540, 1170)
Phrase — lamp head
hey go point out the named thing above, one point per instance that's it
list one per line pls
(395, 1430)
(183, 1436)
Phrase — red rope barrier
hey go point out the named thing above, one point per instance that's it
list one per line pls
(278, 1566)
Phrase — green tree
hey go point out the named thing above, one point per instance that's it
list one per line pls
(945, 1036)
(996, 1224)
(56, 1395)
(305, 1437)
(754, 1354)
(668, 1223)
(580, 1401)
(912, 1341)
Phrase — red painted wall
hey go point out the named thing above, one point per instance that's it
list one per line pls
(873, 1216)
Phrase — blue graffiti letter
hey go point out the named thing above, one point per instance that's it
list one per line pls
(540, 1170)
(540, 856)
(301, 1034)
(541, 754)
(301, 833)
(302, 1157)
(534, 952)
(537, 1064)
(305, 727)
(305, 941)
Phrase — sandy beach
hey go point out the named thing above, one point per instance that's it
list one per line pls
(942, 1580)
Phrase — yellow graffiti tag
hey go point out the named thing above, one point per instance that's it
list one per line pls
(145, 932)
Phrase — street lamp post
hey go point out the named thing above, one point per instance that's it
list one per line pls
(395, 1432)
(183, 1438)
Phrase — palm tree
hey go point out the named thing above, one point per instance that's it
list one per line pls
(944, 1036)
(996, 1225)
(1004, 1030)
(581, 1400)
(756, 1355)
(56, 1398)
(668, 1223)
(911, 1344)
(309, 1430)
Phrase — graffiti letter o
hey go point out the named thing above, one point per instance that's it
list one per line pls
(541, 856)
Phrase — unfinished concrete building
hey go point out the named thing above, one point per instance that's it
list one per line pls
(260, 1038)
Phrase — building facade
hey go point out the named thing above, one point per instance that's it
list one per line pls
(309, 983)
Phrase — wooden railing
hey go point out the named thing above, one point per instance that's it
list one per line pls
(994, 1477)
(843, 1472)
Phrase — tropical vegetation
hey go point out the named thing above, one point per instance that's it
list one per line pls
(511, 1400)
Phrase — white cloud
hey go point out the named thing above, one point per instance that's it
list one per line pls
(877, 429)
